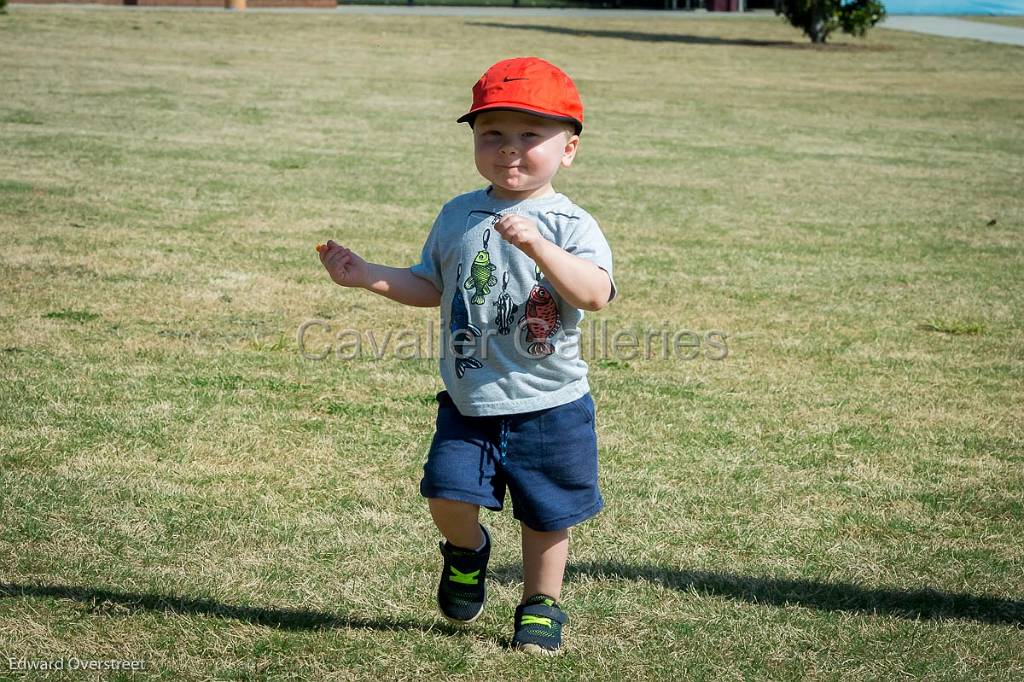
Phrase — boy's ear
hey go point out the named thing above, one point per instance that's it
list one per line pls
(569, 152)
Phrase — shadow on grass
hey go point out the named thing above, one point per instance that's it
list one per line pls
(922, 604)
(284, 619)
(682, 38)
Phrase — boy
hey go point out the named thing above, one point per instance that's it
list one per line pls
(512, 266)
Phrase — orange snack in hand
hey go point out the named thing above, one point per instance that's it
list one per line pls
(320, 248)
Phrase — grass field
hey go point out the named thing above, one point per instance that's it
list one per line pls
(841, 497)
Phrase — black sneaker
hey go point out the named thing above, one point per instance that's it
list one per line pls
(539, 626)
(462, 591)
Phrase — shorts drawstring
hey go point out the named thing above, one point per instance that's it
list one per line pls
(503, 448)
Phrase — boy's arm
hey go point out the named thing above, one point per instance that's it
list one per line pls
(399, 284)
(578, 281)
(348, 269)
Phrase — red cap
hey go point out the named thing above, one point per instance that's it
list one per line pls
(530, 85)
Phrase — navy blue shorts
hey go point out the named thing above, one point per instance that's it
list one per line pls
(549, 468)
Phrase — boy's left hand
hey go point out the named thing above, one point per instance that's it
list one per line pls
(520, 232)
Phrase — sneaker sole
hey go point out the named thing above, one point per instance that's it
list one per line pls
(456, 621)
(537, 650)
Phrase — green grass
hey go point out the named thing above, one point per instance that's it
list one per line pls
(955, 327)
(839, 498)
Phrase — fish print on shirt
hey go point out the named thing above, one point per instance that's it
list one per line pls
(460, 328)
(542, 320)
(481, 277)
(506, 314)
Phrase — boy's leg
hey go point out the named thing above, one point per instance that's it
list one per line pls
(462, 590)
(539, 618)
(458, 522)
(457, 480)
(544, 557)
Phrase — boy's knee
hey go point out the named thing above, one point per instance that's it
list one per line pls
(452, 507)
(544, 535)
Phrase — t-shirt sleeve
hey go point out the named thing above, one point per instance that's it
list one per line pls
(588, 242)
(429, 266)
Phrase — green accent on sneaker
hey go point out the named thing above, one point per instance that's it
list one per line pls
(538, 625)
(469, 578)
(462, 589)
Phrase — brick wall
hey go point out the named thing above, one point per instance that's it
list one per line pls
(66, 2)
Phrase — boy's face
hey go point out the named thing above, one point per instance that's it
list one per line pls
(521, 153)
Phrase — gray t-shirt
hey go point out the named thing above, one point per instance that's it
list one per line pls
(509, 342)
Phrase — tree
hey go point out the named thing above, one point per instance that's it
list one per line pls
(819, 18)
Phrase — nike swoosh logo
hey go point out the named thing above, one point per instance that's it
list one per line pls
(507, 79)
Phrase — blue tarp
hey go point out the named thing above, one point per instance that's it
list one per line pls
(954, 6)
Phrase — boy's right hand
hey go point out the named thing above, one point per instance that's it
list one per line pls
(343, 265)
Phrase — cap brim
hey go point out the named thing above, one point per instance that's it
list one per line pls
(469, 117)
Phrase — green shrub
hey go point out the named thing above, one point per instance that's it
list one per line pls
(819, 18)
